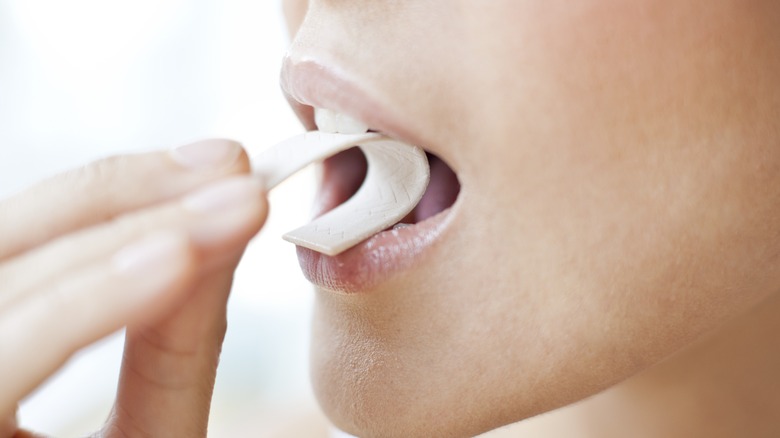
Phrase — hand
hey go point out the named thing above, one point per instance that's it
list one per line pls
(149, 241)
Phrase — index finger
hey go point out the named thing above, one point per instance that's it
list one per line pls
(107, 188)
(8, 426)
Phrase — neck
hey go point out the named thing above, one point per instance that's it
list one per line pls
(726, 385)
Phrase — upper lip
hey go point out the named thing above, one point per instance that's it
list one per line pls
(309, 83)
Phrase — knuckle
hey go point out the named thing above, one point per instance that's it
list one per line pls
(128, 225)
(99, 180)
(133, 224)
(62, 295)
(102, 171)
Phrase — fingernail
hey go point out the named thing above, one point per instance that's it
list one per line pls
(208, 154)
(149, 255)
(223, 196)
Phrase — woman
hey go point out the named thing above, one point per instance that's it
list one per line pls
(601, 227)
(616, 228)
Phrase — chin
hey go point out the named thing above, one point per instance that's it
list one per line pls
(365, 392)
(378, 380)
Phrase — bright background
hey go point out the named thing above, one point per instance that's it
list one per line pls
(82, 79)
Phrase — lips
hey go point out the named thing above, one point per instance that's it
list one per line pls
(309, 84)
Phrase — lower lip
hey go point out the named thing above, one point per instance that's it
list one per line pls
(375, 261)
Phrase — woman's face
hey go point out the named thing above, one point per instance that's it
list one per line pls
(619, 170)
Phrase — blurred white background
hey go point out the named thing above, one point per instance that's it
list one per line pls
(83, 79)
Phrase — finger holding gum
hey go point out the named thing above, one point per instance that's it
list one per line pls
(397, 177)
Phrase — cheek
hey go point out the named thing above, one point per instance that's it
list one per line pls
(630, 156)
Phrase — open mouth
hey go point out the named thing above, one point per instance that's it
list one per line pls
(415, 240)
(398, 247)
(344, 173)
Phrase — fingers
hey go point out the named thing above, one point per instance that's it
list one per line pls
(10, 429)
(111, 187)
(64, 295)
(9, 426)
(39, 333)
(220, 218)
(169, 369)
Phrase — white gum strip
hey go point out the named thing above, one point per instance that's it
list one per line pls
(397, 177)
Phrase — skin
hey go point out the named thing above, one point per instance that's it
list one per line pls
(618, 227)
(63, 285)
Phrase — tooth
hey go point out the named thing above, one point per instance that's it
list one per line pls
(326, 120)
(386, 196)
(400, 226)
(337, 123)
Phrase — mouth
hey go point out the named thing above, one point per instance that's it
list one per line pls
(344, 173)
(309, 85)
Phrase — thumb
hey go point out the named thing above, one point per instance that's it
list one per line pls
(169, 368)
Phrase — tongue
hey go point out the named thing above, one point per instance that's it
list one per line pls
(442, 190)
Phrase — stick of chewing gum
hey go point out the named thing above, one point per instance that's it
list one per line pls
(397, 177)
